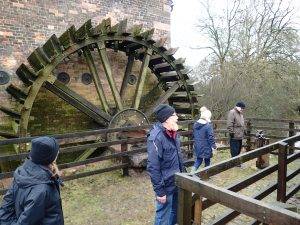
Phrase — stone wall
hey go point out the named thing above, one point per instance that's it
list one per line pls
(27, 24)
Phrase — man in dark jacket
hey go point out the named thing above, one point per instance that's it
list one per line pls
(236, 128)
(34, 196)
(164, 160)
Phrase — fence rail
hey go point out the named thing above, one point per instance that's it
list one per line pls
(71, 146)
(193, 189)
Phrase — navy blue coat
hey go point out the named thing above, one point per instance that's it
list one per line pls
(33, 198)
(204, 140)
(164, 160)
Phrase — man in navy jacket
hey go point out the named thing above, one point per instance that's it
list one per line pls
(164, 160)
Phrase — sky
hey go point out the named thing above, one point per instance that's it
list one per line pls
(184, 34)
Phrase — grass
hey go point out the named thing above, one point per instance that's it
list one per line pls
(110, 199)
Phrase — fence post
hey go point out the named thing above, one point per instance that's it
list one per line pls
(198, 211)
(184, 215)
(262, 161)
(291, 133)
(191, 146)
(282, 170)
(248, 133)
(125, 159)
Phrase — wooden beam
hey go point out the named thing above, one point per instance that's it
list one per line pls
(7, 135)
(108, 72)
(227, 164)
(254, 222)
(80, 103)
(248, 133)
(125, 159)
(231, 214)
(128, 70)
(293, 191)
(228, 216)
(94, 172)
(13, 114)
(96, 78)
(282, 170)
(17, 93)
(243, 204)
(184, 214)
(27, 106)
(198, 211)
(162, 98)
(141, 79)
(253, 178)
(291, 133)
(245, 183)
(274, 120)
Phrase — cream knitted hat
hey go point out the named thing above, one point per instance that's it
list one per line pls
(205, 114)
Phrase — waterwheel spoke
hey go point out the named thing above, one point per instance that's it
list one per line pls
(141, 79)
(127, 74)
(137, 44)
(80, 103)
(108, 72)
(162, 98)
(96, 78)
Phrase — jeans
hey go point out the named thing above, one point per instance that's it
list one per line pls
(199, 161)
(235, 147)
(166, 214)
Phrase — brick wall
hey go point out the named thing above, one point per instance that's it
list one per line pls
(27, 24)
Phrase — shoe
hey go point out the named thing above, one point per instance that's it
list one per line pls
(198, 170)
(194, 170)
(242, 166)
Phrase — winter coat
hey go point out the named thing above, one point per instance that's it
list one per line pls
(164, 160)
(204, 140)
(236, 124)
(33, 198)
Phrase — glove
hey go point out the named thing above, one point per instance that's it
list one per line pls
(231, 135)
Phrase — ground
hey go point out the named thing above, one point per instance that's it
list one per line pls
(110, 199)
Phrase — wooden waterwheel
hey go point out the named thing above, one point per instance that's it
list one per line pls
(90, 41)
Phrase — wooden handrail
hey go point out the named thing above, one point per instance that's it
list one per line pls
(227, 164)
(273, 120)
(259, 196)
(250, 180)
(248, 206)
(130, 128)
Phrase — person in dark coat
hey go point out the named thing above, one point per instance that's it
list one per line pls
(236, 128)
(34, 196)
(164, 160)
(204, 140)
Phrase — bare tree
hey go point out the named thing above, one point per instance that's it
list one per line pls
(253, 52)
(219, 30)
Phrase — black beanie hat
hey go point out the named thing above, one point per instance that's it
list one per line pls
(241, 104)
(163, 112)
(43, 150)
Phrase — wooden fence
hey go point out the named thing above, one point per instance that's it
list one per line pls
(123, 156)
(186, 132)
(195, 191)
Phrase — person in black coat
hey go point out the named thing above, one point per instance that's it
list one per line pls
(34, 196)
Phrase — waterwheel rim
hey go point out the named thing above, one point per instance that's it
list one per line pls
(137, 44)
